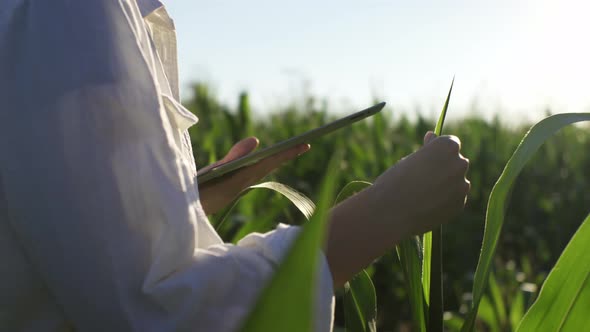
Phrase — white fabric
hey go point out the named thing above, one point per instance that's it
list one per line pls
(101, 226)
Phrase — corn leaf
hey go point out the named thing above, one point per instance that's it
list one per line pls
(443, 114)
(516, 309)
(435, 305)
(487, 314)
(531, 142)
(303, 204)
(360, 304)
(285, 305)
(360, 300)
(408, 252)
(350, 189)
(426, 265)
(564, 300)
(499, 306)
(432, 263)
(452, 322)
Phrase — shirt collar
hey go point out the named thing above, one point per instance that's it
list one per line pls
(148, 6)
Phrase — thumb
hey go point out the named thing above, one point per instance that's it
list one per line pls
(237, 151)
(241, 149)
(429, 137)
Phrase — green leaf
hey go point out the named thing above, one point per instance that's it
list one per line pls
(435, 305)
(426, 264)
(516, 309)
(350, 189)
(564, 300)
(487, 314)
(360, 304)
(443, 114)
(452, 321)
(304, 204)
(432, 263)
(408, 252)
(499, 306)
(531, 142)
(286, 304)
(360, 300)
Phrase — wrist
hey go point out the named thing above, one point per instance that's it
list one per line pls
(395, 197)
(388, 216)
(362, 228)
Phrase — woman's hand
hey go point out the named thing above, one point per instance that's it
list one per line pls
(422, 191)
(430, 184)
(216, 194)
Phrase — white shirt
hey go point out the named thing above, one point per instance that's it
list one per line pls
(101, 226)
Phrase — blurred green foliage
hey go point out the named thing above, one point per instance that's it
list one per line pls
(549, 198)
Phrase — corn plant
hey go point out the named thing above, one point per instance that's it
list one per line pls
(286, 305)
(499, 196)
(565, 294)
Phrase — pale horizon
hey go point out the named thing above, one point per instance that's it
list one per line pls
(517, 56)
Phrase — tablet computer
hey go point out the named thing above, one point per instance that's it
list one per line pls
(306, 137)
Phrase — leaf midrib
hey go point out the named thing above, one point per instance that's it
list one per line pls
(358, 309)
(574, 300)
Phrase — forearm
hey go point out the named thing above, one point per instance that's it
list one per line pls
(360, 231)
(420, 192)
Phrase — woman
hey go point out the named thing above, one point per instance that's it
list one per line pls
(102, 226)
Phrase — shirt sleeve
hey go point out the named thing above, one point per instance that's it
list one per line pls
(99, 195)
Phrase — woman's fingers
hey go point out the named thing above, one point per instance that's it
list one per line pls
(429, 137)
(219, 192)
(237, 151)
(246, 176)
(241, 149)
(267, 165)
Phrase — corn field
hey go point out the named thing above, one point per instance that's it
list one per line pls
(529, 217)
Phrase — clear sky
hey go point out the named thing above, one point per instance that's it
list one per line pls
(516, 56)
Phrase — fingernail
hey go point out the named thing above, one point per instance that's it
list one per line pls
(304, 148)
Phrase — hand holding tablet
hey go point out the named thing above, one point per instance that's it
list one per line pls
(254, 157)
